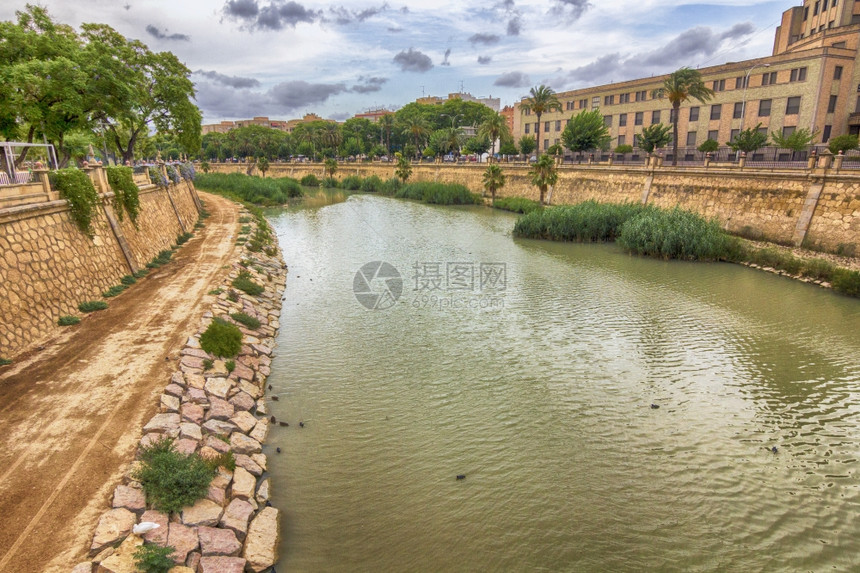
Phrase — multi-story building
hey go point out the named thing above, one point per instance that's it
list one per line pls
(808, 82)
(263, 121)
(374, 114)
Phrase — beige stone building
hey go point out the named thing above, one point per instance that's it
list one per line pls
(288, 125)
(811, 80)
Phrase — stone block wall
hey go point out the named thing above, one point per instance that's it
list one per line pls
(48, 266)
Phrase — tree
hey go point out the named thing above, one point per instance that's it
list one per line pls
(477, 145)
(749, 140)
(418, 129)
(263, 165)
(495, 127)
(585, 131)
(494, 180)
(654, 137)
(843, 143)
(386, 125)
(330, 167)
(544, 174)
(708, 146)
(797, 141)
(541, 100)
(678, 87)
(508, 147)
(404, 168)
(527, 144)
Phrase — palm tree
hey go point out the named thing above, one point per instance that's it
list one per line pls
(495, 127)
(331, 136)
(678, 87)
(493, 179)
(417, 128)
(386, 124)
(544, 174)
(542, 100)
(453, 139)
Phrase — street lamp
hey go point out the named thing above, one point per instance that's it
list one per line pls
(453, 117)
(746, 82)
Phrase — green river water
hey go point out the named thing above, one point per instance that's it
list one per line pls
(531, 368)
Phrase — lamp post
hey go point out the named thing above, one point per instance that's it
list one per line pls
(746, 82)
(453, 118)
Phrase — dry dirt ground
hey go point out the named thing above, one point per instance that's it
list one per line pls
(71, 414)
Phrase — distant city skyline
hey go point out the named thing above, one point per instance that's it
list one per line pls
(283, 59)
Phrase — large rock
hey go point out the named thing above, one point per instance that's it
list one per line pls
(261, 543)
(113, 525)
(196, 380)
(191, 431)
(183, 539)
(263, 492)
(218, 386)
(219, 427)
(122, 560)
(260, 460)
(131, 498)
(204, 512)
(169, 403)
(245, 421)
(158, 535)
(192, 412)
(246, 462)
(221, 565)
(217, 444)
(242, 444)
(162, 424)
(85, 567)
(242, 371)
(185, 446)
(217, 541)
(219, 409)
(261, 430)
(197, 396)
(236, 517)
(243, 483)
(242, 401)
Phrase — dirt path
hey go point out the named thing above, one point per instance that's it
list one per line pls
(71, 414)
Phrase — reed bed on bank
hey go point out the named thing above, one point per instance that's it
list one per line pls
(267, 192)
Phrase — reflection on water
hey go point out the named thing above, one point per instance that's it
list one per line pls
(544, 402)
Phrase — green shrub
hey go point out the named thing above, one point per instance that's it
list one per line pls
(390, 187)
(244, 283)
(233, 296)
(140, 274)
(160, 259)
(372, 184)
(5, 361)
(245, 219)
(68, 320)
(584, 222)
(517, 204)
(221, 339)
(230, 365)
(126, 193)
(92, 306)
(208, 364)
(128, 280)
(310, 180)
(246, 320)
(846, 281)
(330, 183)
(183, 238)
(77, 189)
(674, 234)
(113, 291)
(216, 291)
(245, 229)
(171, 480)
(154, 558)
(351, 183)
(817, 269)
(224, 460)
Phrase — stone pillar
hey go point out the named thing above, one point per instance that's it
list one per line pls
(611, 159)
(813, 158)
(837, 161)
(708, 159)
(825, 159)
(742, 159)
(41, 175)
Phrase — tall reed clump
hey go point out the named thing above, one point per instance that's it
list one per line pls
(517, 204)
(372, 184)
(438, 193)
(589, 221)
(676, 234)
(267, 192)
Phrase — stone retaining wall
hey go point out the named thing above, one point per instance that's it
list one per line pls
(210, 412)
(48, 266)
(819, 207)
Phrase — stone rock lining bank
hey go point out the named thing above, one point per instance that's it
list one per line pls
(234, 529)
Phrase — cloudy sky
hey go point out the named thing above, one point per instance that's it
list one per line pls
(285, 58)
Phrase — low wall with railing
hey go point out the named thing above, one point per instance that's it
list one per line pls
(818, 206)
(48, 266)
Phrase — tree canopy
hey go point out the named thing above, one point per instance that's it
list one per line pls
(542, 99)
(585, 131)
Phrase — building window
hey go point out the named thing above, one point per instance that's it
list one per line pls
(694, 113)
(806, 14)
(741, 82)
(640, 96)
(527, 127)
(546, 126)
(624, 98)
(558, 125)
(764, 108)
(621, 140)
(655, 116)
(609, 100)
(714, 135)
(568, 105)
(831, 105)
(838, 44)
(768, 79)
(528, 111)
(595, 102)
(788, 130)
(637, 119)
(635, 140)
(607, 120)
(691, 139)
(824, 7)
(622, 120)
(817, 7)
(798, 75)
(716, 111)
(719, 85)
(546, 144)
(792, 105)
(583, 103)
(733, 134)
(837, 73)
(825, 136)
(738, 111)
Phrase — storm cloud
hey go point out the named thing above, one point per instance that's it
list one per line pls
(412, 60)
(513, 80)
(484, 60)
(486, 39)
(230, 81)
(158, 34)
(368, 85)
(569, 10)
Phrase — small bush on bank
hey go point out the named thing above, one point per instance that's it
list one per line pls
(160, 259)
(310, 180)
(589, 221)
(674, 234)
(330, 183)
(154, 558)
(351, 183)
(5, 361)
(517, 204)
(92, 305)
(128, 280)
(246, 320)
(244, 283)
(391, 187)
(846, 281)
(183, 238)
(113, 291)
(372, 184)
(221, 339)
(230, 365)
(171, 480)
(68, 320)
(438, 193)
(140, 274)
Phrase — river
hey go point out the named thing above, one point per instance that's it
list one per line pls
(608, 412)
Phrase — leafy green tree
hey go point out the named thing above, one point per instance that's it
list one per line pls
(624, 148)
(418, 129)
(495, 127)
(542, 100)
(654, 137)
(708, 146)
(527, 144)
(404, 168)
(544, 174)
(799, 140)
(330, 167)
(555, 150)
(493, 180)
(842, 143)
(678, 87)
(263, 165)
(508, 147)
(585, 131)
(477, 145)
(749, 140)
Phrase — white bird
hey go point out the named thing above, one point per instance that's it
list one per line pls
(144, 526)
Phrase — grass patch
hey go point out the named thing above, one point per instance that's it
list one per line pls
(675, 234)
(162, 258)
(171, 480)
(244, 219)
(68, 320)
(5, 362)
(584, 222)
(208, 364)
(216, 291)
(183, 238)
(245, 229)
(114, 290)
(517, 204)
(92, 305)
(140, 274)
(310, 180)
(351, 183)
(154, 558)
(230, 365)
(268, 192)
(221, 338)
(438, 193)
(128, 280)
(246, 320)
(244, 283)
(846, 281)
